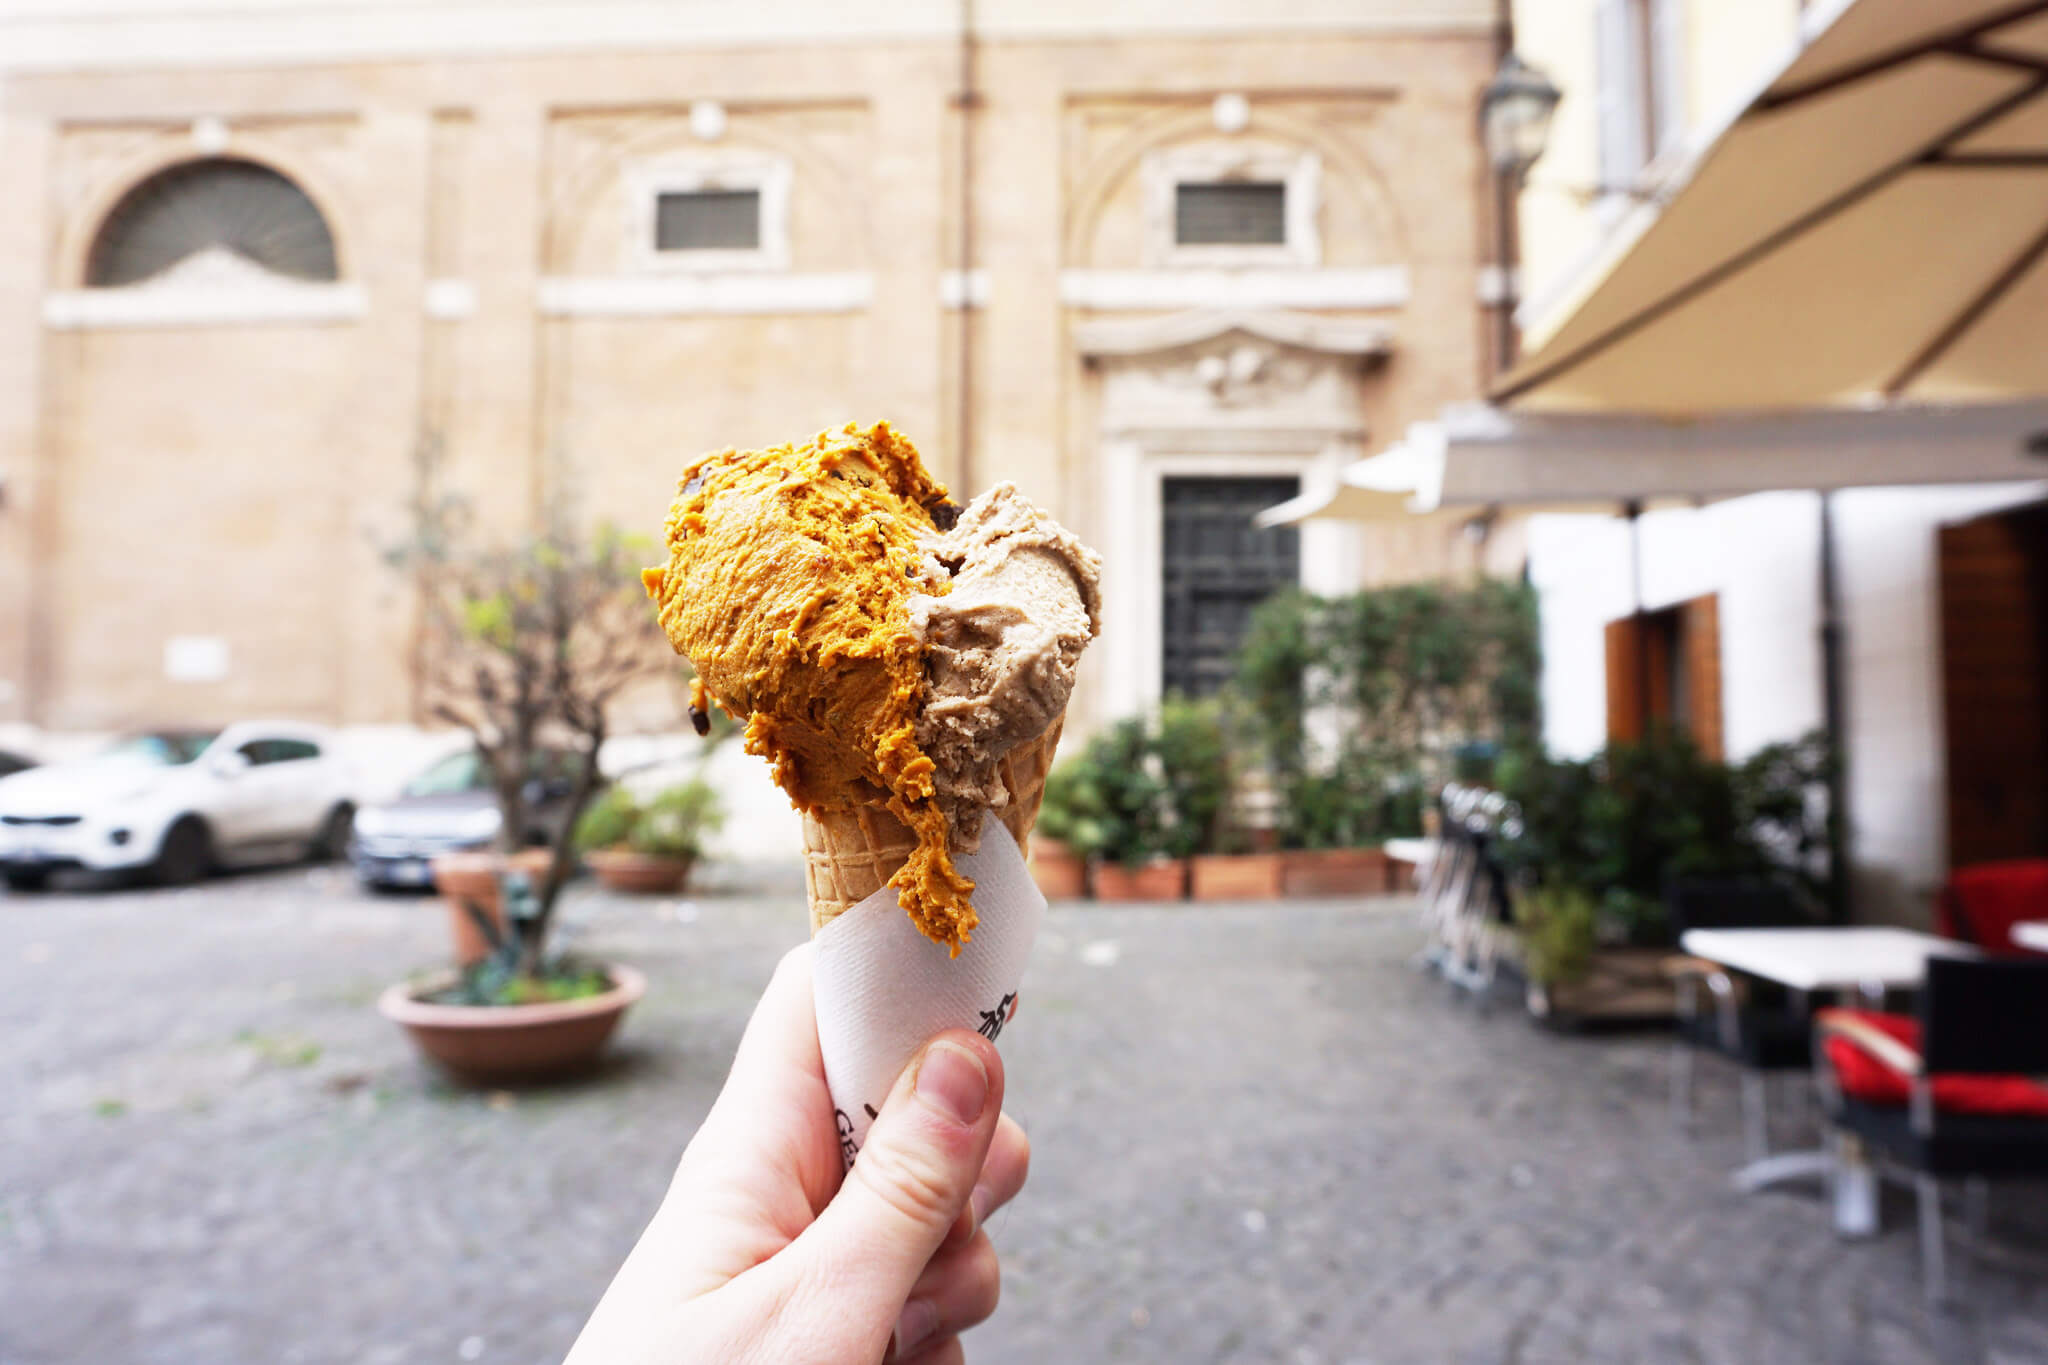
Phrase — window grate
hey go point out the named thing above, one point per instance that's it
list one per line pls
(1215, 567)
(219, 203)
(1233, 213)
(707, 220)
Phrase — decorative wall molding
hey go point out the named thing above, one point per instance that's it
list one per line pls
(1384, 286)
(1215, 392)
(450, 300)
(1136, 336)
(104, 34)
(211, 288)
(1131, 472)
(741, 292)
(963, 289)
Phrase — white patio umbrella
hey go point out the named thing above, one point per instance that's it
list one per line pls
(1871, 227)
(1476, 456)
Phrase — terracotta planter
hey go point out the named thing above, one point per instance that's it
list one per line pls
(1235, 876)
(1059, 871)
(1160, 881)
(1335, 872)
(492, 1044)
(473, 877)
(1619, 984)
(639, 874)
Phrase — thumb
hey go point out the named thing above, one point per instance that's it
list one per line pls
(912, 1178)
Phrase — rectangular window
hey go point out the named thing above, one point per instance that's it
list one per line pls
(1235, 213)
(707, 220)
(1641, 85)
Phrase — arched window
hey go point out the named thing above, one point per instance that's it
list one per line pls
(218, 204)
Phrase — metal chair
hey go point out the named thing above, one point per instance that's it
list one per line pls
(1973, 1106)
(1477, 917)
(1758, 1026)
(1450, 874)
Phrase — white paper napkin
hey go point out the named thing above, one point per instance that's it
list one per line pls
(883, 988)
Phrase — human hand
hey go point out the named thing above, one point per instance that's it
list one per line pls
(759, 1254)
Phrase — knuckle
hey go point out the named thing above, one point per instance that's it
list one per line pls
(917, 1184)
(982, 1273)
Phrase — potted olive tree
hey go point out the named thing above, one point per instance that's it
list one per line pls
(524, 647)
(648, 847)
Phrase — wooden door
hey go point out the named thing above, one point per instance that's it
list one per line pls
(1994, 670)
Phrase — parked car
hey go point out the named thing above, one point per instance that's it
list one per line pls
(12, 763)
(451, 807)
(178, 803)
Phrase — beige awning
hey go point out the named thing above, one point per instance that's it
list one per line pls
(1872, 227)
(1402, 479)
(1479, 456)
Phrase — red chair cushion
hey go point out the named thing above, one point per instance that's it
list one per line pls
(1865, 1078)
(1980, 904)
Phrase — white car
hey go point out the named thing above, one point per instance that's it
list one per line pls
(178, 803)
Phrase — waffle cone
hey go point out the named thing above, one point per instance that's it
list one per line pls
(850, 855)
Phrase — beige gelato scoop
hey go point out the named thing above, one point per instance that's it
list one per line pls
(1001, 647)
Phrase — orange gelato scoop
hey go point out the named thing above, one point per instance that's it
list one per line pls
(789, 584)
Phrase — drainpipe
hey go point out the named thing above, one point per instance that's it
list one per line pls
(1833, 716)
(970, 99)
(1632, 509)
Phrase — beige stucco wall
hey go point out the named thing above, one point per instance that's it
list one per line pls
(234, 480)
(1565, 218)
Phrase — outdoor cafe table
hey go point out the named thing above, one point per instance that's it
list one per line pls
(1868, 961)
(2032, 933)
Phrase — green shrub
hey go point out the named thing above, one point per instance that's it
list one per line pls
(1191, 744)
(674, 823)
(1560, 925)
(1624, 824)
(1107, 801)
(608, 821)
(671, 824)
(1403, 684)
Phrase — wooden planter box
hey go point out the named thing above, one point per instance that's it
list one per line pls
(1235, 876)
(1335, 872)
(1620, 984)
(1161, 881)
(1059, 871)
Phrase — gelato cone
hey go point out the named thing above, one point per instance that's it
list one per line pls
(901, 662)
(850, 855)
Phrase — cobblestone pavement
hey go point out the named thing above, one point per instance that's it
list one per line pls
(1259, 1137)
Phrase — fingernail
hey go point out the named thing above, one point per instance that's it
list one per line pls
(979, 1202)
(951, 1081)
(914, 1328)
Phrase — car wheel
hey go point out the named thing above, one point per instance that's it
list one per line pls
(27, 878)
(330, 845)
(186, 855)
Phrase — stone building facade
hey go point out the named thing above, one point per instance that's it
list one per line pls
(1122, 259)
